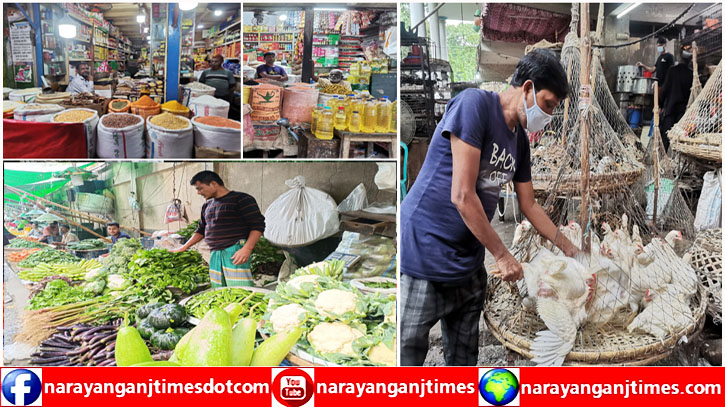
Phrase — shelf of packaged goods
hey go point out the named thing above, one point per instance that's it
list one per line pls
(230, 42)
(272, 32)
(234, 24)
(75, 17)
(79, 60)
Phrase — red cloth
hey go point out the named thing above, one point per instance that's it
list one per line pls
(514, 23)
(23, 139)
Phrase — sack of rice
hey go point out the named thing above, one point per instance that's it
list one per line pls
(35, 112)
(89, 118)
(209, 106)
(199, 89)
(25, 95)
(9, 107)
(169, 136)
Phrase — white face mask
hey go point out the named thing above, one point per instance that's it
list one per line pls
(536, 119)
(660, 49)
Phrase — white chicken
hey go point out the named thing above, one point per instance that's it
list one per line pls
(667, 312)
(561, 287)
(611, 289)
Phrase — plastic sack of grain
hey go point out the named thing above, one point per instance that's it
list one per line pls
(209, 106)
(207, 133)
(298, 104)
(35, 112)
(24, 95)
(163, 142)
(199, 89)
(9, 107)
(90, 125)
(266, 102)
(120, 135)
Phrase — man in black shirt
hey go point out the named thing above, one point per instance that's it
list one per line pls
(674, 94)
(665, 60)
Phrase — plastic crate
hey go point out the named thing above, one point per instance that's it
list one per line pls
(148, 242)
(89, 254)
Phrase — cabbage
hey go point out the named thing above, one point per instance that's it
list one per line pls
(94, 287)
(117, 282)
(94, 274)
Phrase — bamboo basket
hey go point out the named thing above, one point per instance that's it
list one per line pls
(706, 260)
(571, 184)
(706, 146)
(516, 329)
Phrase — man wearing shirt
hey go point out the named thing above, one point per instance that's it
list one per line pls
(66, 236)
(665, 61)
(231, 224)
(114, 231)
(82, 82)
(269, 70)
(221, 79)
(35, 231)
(479, 146)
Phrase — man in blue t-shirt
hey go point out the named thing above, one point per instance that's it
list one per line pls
(269, 70)
(479, 146)
(114, 231)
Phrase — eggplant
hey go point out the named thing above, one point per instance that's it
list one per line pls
(45, 361)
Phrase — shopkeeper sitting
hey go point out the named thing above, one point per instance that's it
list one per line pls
(335, 78)
(50, 234)
(114, 231)
(221, 79)
(67, 236)
(269, 70)
(82, 82)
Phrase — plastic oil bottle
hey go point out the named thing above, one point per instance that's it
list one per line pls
(354, 122)
(332, 103)
(349, 107)
(370, 119)
(315, 116)
(394, 118)
(325, 125)
(340, 119)
(383, 113)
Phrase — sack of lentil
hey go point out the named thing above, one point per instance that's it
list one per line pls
(209, 106)
(169, 136)
(145, 107)
(36, 112)
(120, 135)
(89, 118)
(217, 132)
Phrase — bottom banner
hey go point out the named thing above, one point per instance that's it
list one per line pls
(362, 386)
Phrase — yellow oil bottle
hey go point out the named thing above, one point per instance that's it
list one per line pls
(349, 107)
(355, 122)
(370, 119)
(394, 118)
(340, 119)
(365, 70)
(325, 125)
(332, 103)
(315, 116)
(383, 113)
(355, 69)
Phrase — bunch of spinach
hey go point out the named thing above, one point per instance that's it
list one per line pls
(58, 292)
(157, 269)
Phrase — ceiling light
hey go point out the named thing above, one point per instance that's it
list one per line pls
(188, 5)
(145, 30)
(217, 13)
(200, 26)
(283, 17)
(148, 38)
(66, 28)
(627, 10)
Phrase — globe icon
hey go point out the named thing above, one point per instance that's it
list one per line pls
(498, 387)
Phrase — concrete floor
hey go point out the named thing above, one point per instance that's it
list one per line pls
(15, 298)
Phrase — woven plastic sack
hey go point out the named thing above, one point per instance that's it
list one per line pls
(356, 201)
(709, 206)
(126, 142)
(90, 125)
(166, 143)
(300, 216)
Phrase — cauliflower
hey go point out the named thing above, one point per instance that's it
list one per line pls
(117, 282)
(382, 355)
(335, 302)
(286, 317)
(333, 337)
(307, 278)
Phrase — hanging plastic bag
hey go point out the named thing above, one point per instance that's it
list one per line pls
(386, 178)
(356, 201)
(300, 216)
(173, 212)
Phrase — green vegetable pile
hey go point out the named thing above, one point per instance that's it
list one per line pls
(48, 256)
(75, 271)
(202, 303)
(266, 258)
(25, 244)
(58, 292)
(88, 244)
(379, 284)
(121, 253)
(157, 269)
(189, 230)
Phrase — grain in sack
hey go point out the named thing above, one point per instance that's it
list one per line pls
(169, 136)
(206, 105)
(266, 102)
(121, 135)
(36, 112)
(89, 118)
(217, 132)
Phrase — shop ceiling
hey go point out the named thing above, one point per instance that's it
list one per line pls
(301, 6)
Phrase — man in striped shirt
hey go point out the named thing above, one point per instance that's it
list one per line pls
(218, 77)
(231, 224)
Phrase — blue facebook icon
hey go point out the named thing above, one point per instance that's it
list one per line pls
(21, 387)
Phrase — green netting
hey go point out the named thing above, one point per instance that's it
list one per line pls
(40, 183)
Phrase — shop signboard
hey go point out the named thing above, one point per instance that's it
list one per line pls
(22, 47)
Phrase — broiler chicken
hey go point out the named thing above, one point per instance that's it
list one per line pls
(667, 312)
(560, 286)
(611, 293)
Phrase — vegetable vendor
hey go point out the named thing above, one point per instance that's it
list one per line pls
(50, 233)
(114, 231)
(479, 146)
(35, 231)
(231, 224)
(67, 236)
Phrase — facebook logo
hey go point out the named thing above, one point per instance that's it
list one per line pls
(21, 387)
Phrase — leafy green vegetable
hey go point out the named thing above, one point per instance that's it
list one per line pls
(48, 256)
(265, 253)
(88, 244)
(58, 292)
(157, 269)
(189, 230)
(25, 244)
(201, 303)
(121, 253)
(379, 284)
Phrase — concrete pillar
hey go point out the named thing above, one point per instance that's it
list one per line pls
(417, 12)
(444, 38)
(435, 36)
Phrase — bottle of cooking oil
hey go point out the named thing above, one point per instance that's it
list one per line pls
(349, 107)
(325, 125)
(315, 116)
(355, 119)
(355, 68)
(340, 119)
(394, 118)
(370, 119)
(383, 113)
(332, 103)
(365, 70)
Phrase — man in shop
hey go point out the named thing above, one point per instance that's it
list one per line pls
(479, 146)
(231, 224)
(35, 231)
(665, 60)
(335, 77)
(50, 233)
(674, 95)
(221, 79)
(82, 82)
(66, 236)
(114, 231)
(271, 71)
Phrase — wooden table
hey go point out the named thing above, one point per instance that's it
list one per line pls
(310, 146)
(370, 138)
(368, 223)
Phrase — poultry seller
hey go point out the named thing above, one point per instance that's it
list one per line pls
(479, 146)
(231, 224)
